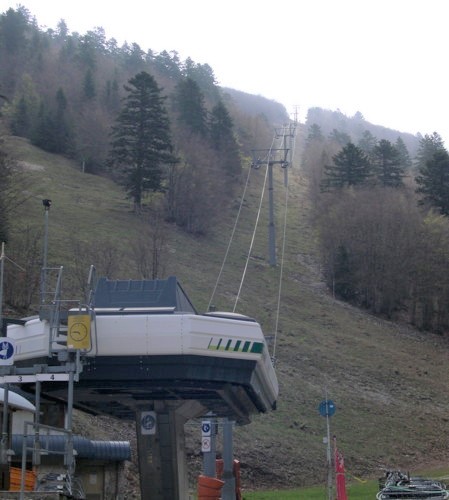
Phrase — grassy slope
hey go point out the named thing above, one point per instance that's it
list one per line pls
(389, 382)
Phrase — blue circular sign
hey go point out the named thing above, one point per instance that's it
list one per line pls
(6, 350)
(327, 408)
(148, 422)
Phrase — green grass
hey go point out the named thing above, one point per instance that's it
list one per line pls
(355, 492)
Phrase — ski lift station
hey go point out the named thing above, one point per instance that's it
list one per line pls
(137, 350)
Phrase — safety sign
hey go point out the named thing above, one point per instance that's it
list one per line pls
(7, 350)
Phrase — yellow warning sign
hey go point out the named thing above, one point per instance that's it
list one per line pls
(78, 334)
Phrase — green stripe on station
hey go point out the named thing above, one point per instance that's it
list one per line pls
(257, 347)
(240, 346)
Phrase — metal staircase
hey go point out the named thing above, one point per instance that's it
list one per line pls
(55, 309)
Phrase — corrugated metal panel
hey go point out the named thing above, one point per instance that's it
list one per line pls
(85, 448)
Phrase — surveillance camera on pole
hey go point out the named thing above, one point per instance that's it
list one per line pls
(47, 204)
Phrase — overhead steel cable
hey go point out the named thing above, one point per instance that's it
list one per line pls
(284, 239)
(281, 274)
(260, 162)
(230, 239)
(255, 228)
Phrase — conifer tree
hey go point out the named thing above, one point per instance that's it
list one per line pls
(190, 106)
(21, 120)
(89, 89)
(341, 138)
(13, 29)
(314, 133)
(53, 132)
(25, 107)
(367, 142)
(428, 145)
(387, 164)
(351, 168)
(404, 155)
(141, 143)
(433, 182)
(221, 129)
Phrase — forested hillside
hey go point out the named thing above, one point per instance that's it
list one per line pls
(71, 94)
(366, 253)
(382, 215)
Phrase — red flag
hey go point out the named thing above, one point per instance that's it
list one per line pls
(340, 479)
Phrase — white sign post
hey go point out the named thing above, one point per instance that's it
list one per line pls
(208, 428)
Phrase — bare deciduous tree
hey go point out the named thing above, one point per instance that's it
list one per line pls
(150, 250)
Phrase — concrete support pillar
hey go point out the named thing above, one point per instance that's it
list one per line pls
(161, 449)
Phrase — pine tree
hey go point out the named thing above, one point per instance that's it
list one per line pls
(428, 145)
(433, 181)
(190, 106)
(387, 164)
(53, 132)
(141, 142)
(63, 130)
(89, 89)
(21, 120)
(314, 133)
(221, 130)
(404, 155)
(351, 168)
(168, 64)
(24, 109)
(367, 142)
(13, 29)
(341, 138)
(203, 76)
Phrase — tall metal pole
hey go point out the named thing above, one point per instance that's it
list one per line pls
(5, 425)
(271, 228)
(329, 461)
(73, 360)
(2, 269)
(4, 438)
(210, 456)
(287, 151)
(329, 412)
(37, 422)
(47, 205)
(228, 491)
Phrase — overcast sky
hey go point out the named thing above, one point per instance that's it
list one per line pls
(387, 59)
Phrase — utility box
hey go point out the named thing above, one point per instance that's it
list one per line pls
(78, 330)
